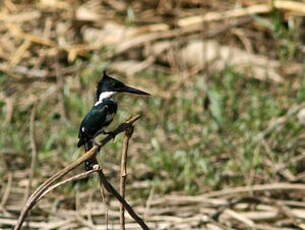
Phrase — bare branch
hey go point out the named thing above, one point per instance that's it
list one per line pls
(128, 134)
(89, 154)
(129, 209)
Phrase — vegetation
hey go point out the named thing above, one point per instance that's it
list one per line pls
(201, 131)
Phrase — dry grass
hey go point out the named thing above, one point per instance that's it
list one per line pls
(222, 142)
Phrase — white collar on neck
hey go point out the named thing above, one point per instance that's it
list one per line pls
(104, 95)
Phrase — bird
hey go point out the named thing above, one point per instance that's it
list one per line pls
(102, 113)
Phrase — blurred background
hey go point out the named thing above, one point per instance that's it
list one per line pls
(221, 142)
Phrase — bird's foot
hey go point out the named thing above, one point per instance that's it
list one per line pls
(95, 167)
(91, 164)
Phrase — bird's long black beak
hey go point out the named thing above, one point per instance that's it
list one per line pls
(128, 89)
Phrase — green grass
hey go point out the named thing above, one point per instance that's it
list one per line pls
(204, 137)
(201, 139)
(212, 145)
(216, 145)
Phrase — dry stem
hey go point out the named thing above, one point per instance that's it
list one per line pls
(34, 149)
(128, 134)
(91, 153)
(129, 209)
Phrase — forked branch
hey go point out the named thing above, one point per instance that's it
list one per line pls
(37, 194)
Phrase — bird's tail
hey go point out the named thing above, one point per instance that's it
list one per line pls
(92, 161)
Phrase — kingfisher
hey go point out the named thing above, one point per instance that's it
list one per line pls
(102, 112)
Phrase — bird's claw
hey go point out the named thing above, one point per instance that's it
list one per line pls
(95, 167)
(90, 164)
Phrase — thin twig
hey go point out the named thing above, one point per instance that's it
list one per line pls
(240, 217)
(129, 209)
(34, 150)
(90, 154)
(60, 90)
(44, 186)
(10, 110)
(279, 122)
(128, 134)
(137, 41)
(216, 16)
(76, 177)
(7, 190)
(89, 216)
(103, 195)
(79, 217)
(148, 203)
(254, 188)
